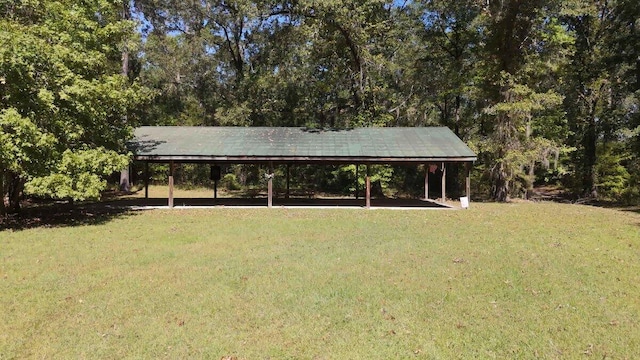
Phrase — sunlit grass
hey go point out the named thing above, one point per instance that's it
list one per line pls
(496, 281)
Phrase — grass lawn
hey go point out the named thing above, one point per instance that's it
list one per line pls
(527, 280)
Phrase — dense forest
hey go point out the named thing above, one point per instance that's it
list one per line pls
(544, 91)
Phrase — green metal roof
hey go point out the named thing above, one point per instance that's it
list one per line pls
(287, 144)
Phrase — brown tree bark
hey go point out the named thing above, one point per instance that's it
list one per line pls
(590, 148)
(14, 187)
(2, 194)
(125, 183)
(500, 188)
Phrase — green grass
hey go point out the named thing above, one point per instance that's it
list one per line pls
(529, 280)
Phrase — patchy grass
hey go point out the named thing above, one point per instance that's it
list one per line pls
(528, 280)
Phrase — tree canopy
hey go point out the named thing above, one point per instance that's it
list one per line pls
(545, 91)
(66, 110)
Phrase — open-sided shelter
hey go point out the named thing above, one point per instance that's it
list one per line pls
(431, 146)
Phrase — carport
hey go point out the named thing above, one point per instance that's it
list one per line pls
(434, 147)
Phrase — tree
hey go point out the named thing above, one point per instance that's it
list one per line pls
(525, 82)
(24, 149)
(443, 66)
(522, 57)
(63, 97)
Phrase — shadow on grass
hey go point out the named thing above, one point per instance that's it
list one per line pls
(561, 196)
(62, 215)
(635, 209)
(616, 205)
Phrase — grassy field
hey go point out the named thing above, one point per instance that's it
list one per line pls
(528, 280)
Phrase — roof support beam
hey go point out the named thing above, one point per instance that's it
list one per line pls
(146, 179)
(171, 171)
(444, 182)
(270, 186)
(357, 180)
(288, 181)
(426, 181)
(468, 182)
(325, 160)
(368, 190)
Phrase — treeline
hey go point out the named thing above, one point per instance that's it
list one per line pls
(544, 91)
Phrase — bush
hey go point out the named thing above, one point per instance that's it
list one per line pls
(613, 177)
(230, 182)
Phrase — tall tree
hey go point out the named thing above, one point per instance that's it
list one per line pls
(602, 79)
(522, 54)
(444, 66)
(125, 184)
(63, 97)
(524, 82)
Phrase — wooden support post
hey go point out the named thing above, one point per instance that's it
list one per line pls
(270, 186)
(368, 191)
(171, 170)
(146, 179)
(444, 182)
(468, 185)
(426, 181)
(357, 180)
(216, 174)
(288, 180)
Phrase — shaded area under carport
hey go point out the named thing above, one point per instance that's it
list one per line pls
(289, 203)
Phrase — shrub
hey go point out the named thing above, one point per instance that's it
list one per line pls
(230, 182)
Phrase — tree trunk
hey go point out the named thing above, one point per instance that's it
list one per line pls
(530, 177)
(638, 73)
(15, 186)
(3, 210)
(454, 177)
(125, 184)
(503, 137)
(357, 66)
(500, 188)
(590, 147)
(456, 125)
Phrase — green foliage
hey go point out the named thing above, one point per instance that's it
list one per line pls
(631, 195)
(230, 182)
(66, 109)
(501, 74)
(78, 175)
(345, 177)
(24, 148)
(522, 80)
(613, 177)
